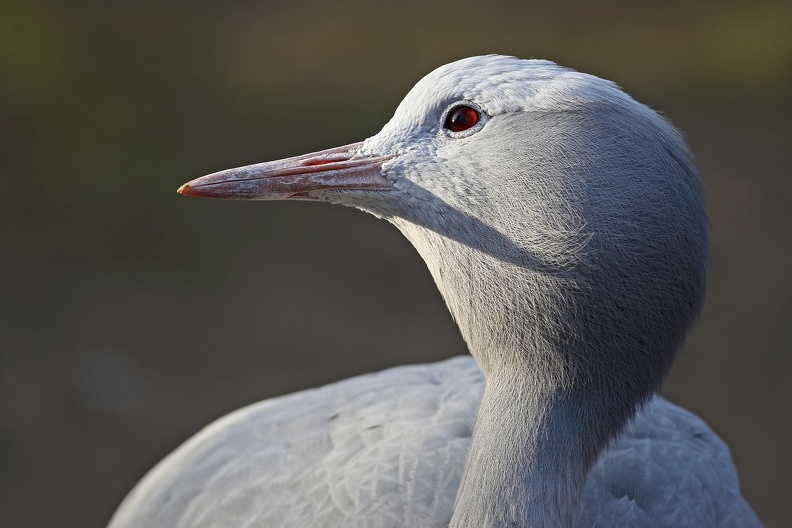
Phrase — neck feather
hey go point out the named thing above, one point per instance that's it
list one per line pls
(566, 364)
(528, 460)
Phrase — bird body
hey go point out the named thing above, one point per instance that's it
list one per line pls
(385, 450)
(564, 225)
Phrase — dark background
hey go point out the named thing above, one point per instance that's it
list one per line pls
(130, 316)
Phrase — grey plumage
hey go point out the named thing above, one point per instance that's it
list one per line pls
(566, 231)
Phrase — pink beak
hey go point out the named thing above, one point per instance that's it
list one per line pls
(339, 168)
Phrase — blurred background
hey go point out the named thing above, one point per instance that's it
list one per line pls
(130, 316)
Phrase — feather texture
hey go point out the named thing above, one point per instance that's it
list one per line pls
(566, 230)
(386, 450)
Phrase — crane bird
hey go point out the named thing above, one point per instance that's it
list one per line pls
(563, 222)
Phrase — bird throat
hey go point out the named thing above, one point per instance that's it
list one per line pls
(544, 418)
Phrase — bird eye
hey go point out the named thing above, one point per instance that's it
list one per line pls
(461, 118)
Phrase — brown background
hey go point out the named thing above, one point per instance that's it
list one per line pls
(130, 317)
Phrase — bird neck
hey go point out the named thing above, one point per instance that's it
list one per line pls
(554, 353)
(527, 462)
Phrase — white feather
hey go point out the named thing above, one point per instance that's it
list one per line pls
(566, 231)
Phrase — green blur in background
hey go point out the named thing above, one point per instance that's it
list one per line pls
(130, 316)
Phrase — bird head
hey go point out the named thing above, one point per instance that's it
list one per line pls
(562, 220)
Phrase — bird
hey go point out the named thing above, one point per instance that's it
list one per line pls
(564, 224)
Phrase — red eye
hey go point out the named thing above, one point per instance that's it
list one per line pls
(461, 118)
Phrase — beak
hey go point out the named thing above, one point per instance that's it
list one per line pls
(339, 168)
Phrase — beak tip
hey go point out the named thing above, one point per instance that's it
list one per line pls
(184, 189)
